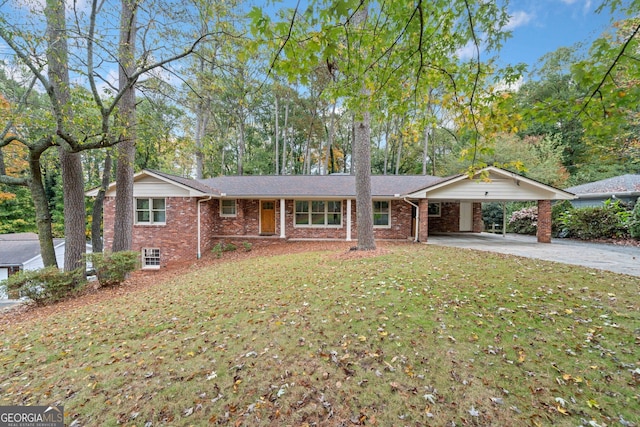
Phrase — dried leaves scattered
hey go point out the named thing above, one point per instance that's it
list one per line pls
(315, 334)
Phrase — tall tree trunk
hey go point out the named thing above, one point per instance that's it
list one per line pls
(241, 147)
(3, 170)
(276, 136)
(330, 137)
(201, 127)
(43, 215)
(97, 245)
(399, 155)
(386, 145)
(283, 166)
(126, 150)
(70, 163)
(364, 208)
(425, 150)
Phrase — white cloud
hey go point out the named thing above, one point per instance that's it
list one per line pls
(586, 7)
(519, 19)
(468, 51)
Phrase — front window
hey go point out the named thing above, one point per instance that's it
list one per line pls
(434, 209)
(150, 211)
(228, 207)
(318, 213)
(150, 258)
(381, 217)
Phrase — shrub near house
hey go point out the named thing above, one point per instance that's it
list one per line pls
(612, 220)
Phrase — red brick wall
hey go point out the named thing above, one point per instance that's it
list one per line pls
(247, 222)
(177, 239)
(449, 219)
(544, 221)
(423, 229)
(478, 223)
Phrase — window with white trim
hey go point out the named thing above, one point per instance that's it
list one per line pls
(228, 207)
(150, 211)
(318, 213)
(434, 209)
(381, 213)
(150, 258)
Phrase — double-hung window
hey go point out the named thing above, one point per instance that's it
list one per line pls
(228, 208)
(150, 211)
(150, 258)
(381, 215)
(318, 213)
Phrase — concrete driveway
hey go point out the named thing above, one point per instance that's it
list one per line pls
(619, 259)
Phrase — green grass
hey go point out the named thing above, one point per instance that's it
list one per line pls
(421, 335)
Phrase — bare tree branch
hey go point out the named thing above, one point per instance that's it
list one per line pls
(476, 78)
(609, 71)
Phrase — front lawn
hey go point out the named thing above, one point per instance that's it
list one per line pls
(415, 335)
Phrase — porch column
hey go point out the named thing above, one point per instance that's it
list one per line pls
(478, 225)
(544, 221)
(423, 223)
(283, 219)
(348, 220)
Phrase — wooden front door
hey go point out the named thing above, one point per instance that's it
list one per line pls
(267, 217)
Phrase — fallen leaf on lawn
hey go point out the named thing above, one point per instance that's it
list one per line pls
(593, 404)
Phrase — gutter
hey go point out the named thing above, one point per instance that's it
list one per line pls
(199, 254)
(415, 238)
(613, 194)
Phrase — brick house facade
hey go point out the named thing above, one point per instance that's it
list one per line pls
(179, 218)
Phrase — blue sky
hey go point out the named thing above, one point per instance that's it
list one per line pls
(542, 26)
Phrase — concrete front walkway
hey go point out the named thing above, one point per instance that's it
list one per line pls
(619, 259)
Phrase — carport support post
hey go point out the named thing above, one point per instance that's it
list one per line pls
(423, 222)
(544, 221)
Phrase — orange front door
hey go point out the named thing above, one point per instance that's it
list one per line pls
(267, 217)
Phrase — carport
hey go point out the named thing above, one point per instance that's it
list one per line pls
(455, 204)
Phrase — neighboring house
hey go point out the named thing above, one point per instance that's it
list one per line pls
(21, 251)
(179, 218)
(625, 188)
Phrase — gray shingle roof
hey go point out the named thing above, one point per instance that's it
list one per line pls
(617, 184)
(187, 182)
(18, 248)
(315, 185)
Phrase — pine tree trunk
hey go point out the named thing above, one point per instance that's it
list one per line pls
(364, 208)
(283, 167)
(126, 150)
(276, 136)
(241, 147)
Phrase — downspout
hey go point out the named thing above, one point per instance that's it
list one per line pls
(199, 254)
(415, 238)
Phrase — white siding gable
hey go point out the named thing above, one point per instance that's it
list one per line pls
(494, 185)
(146, 185)
(495, 189)
(149, 186)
